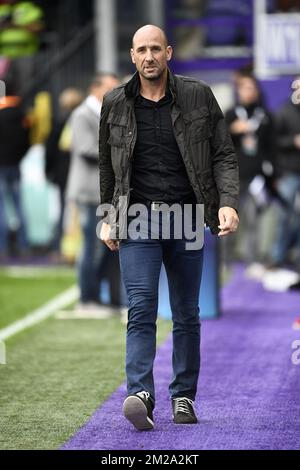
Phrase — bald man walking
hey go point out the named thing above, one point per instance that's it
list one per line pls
(163, 141)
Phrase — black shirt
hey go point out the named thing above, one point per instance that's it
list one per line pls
(158, 172)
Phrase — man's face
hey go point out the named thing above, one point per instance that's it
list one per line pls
(247, 91)
(150, 54)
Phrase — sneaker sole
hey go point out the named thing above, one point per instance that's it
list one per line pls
(136, 412)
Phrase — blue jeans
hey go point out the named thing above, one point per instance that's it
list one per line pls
(92, 256)
(10, 188)
(141, 262)
(288, 229)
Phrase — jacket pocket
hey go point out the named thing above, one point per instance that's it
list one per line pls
(197, 124)
(116, 136)
(117, 130)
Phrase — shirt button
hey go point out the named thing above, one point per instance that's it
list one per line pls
(129, 133)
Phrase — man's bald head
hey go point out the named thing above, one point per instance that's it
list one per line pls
(150, 30)
(150, 52)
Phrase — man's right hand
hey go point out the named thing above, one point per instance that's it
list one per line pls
(113, 245)
(239, 126)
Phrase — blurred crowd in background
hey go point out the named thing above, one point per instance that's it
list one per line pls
(49, 118)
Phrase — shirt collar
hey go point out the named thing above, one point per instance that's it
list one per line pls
(132, 88)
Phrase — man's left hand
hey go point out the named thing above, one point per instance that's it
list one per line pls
(229, 221)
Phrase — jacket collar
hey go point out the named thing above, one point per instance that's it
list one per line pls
(132, 87)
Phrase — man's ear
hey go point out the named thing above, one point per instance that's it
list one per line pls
(169, 53)
(132, 56)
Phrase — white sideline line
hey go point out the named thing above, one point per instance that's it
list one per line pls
(35, 271)
(48, 309)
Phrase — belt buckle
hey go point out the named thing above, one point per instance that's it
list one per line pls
(155, 205)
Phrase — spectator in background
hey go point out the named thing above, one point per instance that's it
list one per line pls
(58, 147)
(251, 129)
(14, 143)
(20, 23)
(83, 187)
(288, 183)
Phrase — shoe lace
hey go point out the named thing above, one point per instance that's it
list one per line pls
(182, 404)
(145, 395)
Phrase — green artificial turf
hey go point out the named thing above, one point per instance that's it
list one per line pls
(24, 290)
(57, 374)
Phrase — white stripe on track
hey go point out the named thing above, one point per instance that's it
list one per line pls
(48, 309)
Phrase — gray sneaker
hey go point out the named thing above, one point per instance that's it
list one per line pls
(138, 410)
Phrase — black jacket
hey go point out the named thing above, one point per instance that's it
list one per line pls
(14, 132)
(287, 127)
(202, 137)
